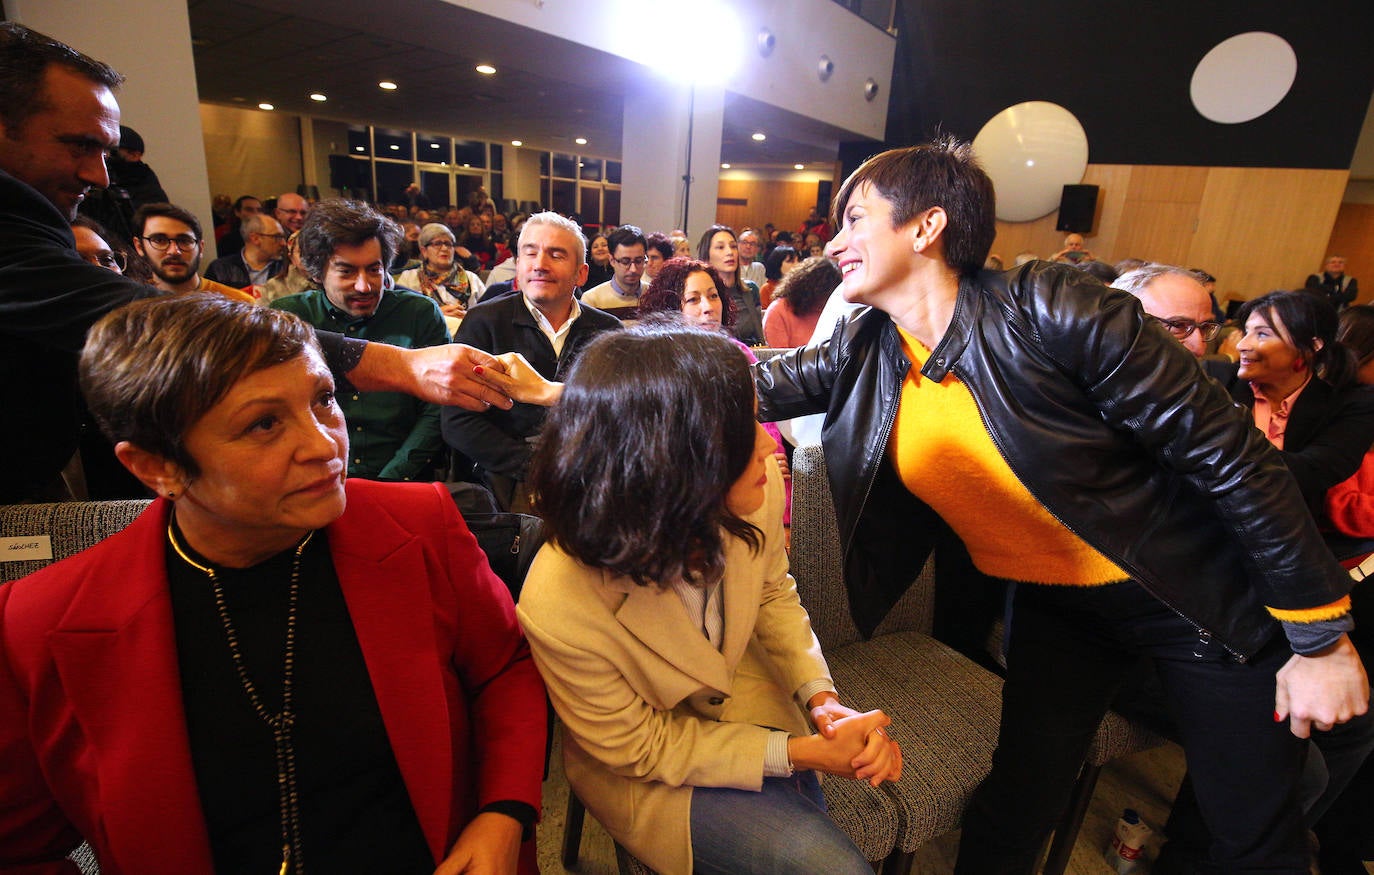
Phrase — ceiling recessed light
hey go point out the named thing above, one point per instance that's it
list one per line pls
(266, 106)
(467, 165)
(318, 97)
(725, 167)
(486, 69)
(395, 148)
(581, 141)
(433, 145)
(760, 136)
(517, 142)
(799, 166)
(387, 85)
(359, 149)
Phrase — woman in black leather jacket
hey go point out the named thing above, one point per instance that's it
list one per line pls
(1073, 448)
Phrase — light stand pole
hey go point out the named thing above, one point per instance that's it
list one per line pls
(687, 177)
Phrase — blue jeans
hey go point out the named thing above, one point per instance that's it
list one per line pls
(780, 830)
(1069, 648)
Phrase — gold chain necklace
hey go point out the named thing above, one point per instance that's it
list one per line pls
(282, 722)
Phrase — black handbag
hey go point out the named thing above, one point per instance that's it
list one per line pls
(510, 540)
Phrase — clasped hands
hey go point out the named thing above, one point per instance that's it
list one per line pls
(849, 743)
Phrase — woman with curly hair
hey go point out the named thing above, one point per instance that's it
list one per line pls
(791, 319)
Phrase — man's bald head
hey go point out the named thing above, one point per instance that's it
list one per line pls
(291, 211)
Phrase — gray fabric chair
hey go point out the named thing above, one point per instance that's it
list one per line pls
(69, 527)
(944, 708)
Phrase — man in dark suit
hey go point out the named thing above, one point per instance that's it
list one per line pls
(545, 324)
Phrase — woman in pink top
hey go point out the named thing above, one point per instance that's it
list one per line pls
(798, 301)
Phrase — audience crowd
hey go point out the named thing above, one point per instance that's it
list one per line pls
(1212, 426)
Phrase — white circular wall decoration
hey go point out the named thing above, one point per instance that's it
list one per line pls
(1031, 151)
(1243, 77)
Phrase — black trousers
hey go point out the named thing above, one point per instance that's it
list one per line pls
(1069, 649)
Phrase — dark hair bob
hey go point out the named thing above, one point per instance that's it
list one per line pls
(634, 463)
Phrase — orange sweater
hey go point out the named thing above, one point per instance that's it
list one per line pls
(945, 456)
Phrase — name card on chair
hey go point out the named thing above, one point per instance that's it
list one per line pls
(25, 548)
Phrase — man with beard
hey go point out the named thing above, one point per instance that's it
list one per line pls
(58, 120)
(345, 247)
(169, 239)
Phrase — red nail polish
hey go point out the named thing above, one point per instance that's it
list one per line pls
(1277, 718)
(477, 369)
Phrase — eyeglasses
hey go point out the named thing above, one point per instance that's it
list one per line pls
(109, 260)
(1181, 328)
(631, 262)
(160, 242)
(441, 244)
(273, 236)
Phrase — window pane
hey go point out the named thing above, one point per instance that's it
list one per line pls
(591, 205)
(392, 180)
(432, 149)
(610, 213)
(590, 170)
(358, 143)
(564, 166)
(496, 156)
(435, 187)
(470, 153)
(613, 172)
(564, 197)
(393, 144)
(497, 191)
(543, 163)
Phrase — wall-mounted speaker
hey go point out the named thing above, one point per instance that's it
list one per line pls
(1077, 206)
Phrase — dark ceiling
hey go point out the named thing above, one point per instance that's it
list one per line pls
(547, 91)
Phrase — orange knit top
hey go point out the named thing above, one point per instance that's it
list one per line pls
(945, 456)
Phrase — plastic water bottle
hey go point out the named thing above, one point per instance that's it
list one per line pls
(1124, 852)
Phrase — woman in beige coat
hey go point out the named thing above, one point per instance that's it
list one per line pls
(667, 628)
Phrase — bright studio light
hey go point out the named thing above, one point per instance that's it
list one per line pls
(707, 45)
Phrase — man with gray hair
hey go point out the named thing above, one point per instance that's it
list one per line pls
(1175, 299)
(547, 325)
(258, 261)
(751, 266)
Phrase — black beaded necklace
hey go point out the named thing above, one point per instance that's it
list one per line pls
(282, 722)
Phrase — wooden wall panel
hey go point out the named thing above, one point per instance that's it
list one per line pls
(1255, 229)
(1167, 184)
(1264, 228)
(1113, 182)
(1156, 231)
(1353, 237)
(785, 204)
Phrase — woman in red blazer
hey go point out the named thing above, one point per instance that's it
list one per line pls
(271, 669)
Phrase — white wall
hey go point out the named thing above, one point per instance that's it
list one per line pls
(249, 151)
(149, 41)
